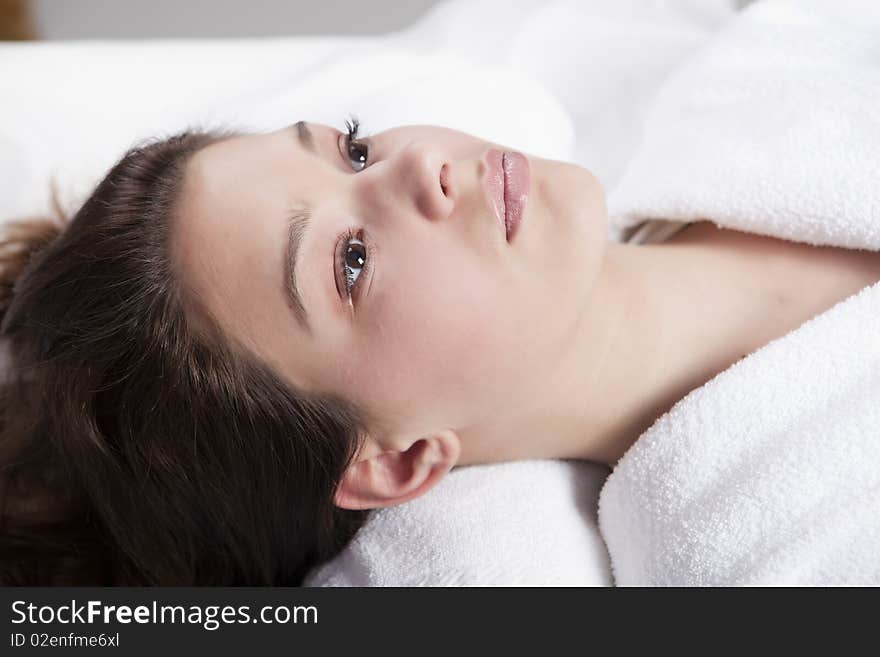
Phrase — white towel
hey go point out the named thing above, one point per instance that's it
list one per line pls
(524, 523)
(768, 474)
(772, 128)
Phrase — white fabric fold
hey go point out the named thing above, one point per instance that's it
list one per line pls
(768, 474)
(773, 128)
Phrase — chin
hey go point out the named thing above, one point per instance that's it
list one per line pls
(575, 195)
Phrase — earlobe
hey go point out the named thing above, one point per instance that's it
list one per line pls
(394, 477)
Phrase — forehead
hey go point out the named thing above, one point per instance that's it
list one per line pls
(212, 167)
(227, 191)
(229, 233)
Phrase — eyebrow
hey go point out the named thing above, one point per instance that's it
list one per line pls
(298, 224)
(305, 135)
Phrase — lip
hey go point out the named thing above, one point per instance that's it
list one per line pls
(507, 184)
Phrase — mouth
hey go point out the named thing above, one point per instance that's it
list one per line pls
(507, 183)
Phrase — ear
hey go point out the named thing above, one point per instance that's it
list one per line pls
(392, 477)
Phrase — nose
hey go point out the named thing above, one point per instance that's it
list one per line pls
(418, 175)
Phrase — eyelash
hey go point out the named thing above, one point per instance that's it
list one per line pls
(352, 126)
(349, 285)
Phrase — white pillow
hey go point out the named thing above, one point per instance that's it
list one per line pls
(525, 523)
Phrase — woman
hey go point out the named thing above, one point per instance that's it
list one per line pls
(241, 343)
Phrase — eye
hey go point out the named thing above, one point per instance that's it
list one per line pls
(356, 151)
(351, 261)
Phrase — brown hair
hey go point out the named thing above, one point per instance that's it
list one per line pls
(134, 448)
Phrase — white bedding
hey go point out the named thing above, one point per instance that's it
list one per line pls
(587, 70)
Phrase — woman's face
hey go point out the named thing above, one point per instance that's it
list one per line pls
(449, 323)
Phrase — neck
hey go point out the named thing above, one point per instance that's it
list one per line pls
(662, 320)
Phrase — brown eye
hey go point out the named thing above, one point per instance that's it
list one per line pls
(352, 261)
(355, 255)
(358, 154)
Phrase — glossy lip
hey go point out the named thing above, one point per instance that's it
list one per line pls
(516, 190)
(507, 186)
(493, 182)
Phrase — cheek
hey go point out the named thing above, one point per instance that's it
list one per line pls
(440, 326)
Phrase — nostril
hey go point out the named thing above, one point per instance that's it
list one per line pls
(444, 185)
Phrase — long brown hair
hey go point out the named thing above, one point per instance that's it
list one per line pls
(135, 447)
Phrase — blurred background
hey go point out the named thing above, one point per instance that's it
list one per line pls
(133, 19)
